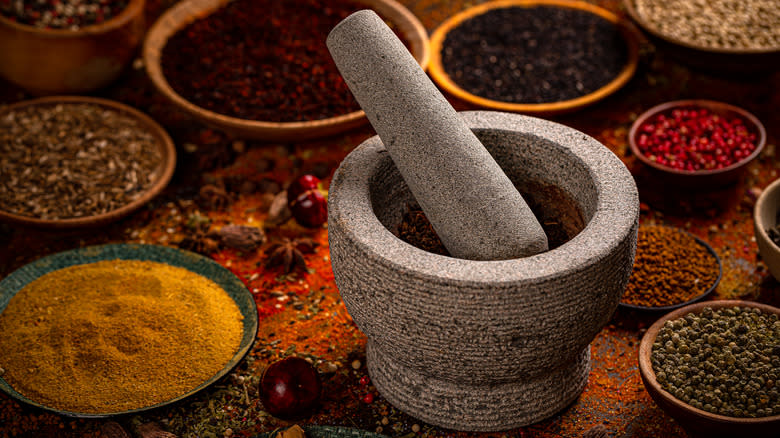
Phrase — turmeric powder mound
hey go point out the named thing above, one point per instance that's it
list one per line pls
(116, 335)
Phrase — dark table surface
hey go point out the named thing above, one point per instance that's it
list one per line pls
(302, 313)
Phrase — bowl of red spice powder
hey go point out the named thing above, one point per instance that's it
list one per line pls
(260, 69)
(67, 46)
(696, 143)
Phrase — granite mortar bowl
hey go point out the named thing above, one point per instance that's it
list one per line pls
(63, 61)
(484, 345)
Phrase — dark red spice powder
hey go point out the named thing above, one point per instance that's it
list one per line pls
(262, 60)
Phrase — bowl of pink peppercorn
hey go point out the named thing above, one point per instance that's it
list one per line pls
(696, 143)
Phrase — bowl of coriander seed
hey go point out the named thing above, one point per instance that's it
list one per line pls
(714, 366)
(73, 162)
(719, 36)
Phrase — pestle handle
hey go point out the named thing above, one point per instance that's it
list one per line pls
(471, 203)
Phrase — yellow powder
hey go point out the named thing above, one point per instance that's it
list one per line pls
(116, 335)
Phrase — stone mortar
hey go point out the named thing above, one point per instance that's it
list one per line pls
(484, 345)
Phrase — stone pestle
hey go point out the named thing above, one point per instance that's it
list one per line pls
(471, 203)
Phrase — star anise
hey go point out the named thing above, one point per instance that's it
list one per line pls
(214, 197)
(289, 253)
(201, 240)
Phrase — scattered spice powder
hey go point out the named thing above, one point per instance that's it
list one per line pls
(116, 335)
(671, 267)
(262, 60)
(61, 14)
(73, 160)
(535, 54)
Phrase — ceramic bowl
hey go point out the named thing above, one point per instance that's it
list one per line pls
(701, 179)
(185, 12)
(484, 345)
(437, 72)
(710, 59)
(165, 169)
(765, 214)
(61, 61)
(695, 421)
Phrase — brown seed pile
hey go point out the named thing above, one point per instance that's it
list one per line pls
(670, 268)
(73, 160)
(722, 24)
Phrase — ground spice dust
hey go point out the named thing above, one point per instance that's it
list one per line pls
(116, 335)
(671, 267)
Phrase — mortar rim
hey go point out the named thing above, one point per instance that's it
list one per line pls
(349, 197)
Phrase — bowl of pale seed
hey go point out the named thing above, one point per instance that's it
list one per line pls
(714, 366)
(720, 36)
(68, 46)
(70, 161)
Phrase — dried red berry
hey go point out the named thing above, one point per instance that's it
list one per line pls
(290, 388)
(307, 203)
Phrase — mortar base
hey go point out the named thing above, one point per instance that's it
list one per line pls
(485, 408)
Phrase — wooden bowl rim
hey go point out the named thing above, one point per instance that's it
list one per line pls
(164, 144)
(133, 9)
(629, 33)
(158, 36)
(647, 27)
(648, 375)
(761, 205)
(695, 299)
(713, 106)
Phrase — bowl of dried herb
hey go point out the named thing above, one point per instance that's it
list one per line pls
(766, 226)
(259, 68)
(68, 46)
(70, 162)
(718, 36)
(713, 366)
(534, 57)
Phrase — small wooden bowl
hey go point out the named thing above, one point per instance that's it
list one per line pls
(700, 179)
(165, 169)
(693, 420)
(61, 61)
(711, 59)
(438, 74)
(765, 217)
(185, 12)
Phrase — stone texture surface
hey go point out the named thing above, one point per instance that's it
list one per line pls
(447, 327)
(472, 205)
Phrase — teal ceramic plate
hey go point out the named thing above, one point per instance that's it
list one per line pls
(332, 432)
(162, 254)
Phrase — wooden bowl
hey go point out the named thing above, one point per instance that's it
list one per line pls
(61, 61)
(188, 11)
(700, 179)
(438, 74)
(764, 218)
(711, 59)
(165, 169)
(696, 421)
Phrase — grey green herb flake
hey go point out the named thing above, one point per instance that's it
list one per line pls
(724, 361)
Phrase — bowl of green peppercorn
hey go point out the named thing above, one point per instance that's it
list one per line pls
(714, 367)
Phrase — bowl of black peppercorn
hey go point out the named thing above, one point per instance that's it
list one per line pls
(766, 227)
(714, 366)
